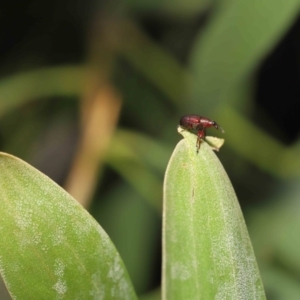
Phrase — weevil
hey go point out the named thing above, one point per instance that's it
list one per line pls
(199, 124)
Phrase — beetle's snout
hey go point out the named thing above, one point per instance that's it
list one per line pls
(217, 126)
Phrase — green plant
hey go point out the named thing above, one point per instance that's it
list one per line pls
(53, 249)
(207, 253)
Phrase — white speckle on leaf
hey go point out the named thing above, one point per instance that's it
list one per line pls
(60, 287)
(44, 248)
(180, 271)
(3, 275)
(59, 268)
(121, 287)
(116, 271)
(98, 291)
(59, 236)
(24, 218)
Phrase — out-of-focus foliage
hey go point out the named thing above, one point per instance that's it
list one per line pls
(237, 37)
(68, 70)
(176, 8)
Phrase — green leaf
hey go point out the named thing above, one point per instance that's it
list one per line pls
(207, 253)
(51, 248)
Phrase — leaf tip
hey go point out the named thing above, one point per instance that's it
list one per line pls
(214, 142)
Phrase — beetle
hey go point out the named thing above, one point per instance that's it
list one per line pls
(199, 124)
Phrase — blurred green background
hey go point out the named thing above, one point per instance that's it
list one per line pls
(91, 93)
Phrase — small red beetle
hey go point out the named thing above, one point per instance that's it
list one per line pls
(199, 124)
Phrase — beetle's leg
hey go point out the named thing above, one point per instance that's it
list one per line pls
(200, 136)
